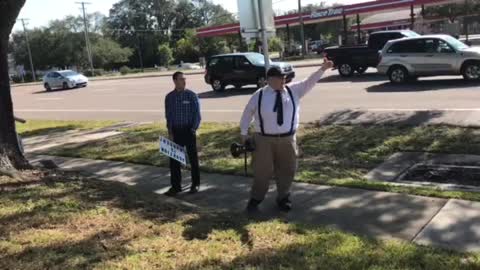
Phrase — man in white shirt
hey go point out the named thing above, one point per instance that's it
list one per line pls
(275, 111)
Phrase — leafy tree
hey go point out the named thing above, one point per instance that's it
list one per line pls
(107, 53)
(165, 55)
(275, 44)
(186, 48)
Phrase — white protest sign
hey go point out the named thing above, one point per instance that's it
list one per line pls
(173, 150)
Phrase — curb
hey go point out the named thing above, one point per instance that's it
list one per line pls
(113, 78)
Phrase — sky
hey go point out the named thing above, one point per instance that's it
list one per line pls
(40, 12)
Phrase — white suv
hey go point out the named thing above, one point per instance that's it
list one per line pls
(409, 58)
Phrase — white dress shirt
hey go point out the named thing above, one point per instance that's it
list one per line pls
(270, 125)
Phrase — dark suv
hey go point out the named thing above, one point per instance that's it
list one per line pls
(240, 69)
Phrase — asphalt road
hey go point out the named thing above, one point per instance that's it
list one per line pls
(364, 98)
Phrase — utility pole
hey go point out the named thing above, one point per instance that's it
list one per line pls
(264, 36)
(29, 50)
(465, 20)
(87, 40)
(302, 30)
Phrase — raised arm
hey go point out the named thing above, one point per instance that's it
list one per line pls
(303, 87)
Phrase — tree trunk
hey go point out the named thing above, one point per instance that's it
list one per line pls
(10, 155)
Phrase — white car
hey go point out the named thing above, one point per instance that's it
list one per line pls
(188, 66)
(64, 79)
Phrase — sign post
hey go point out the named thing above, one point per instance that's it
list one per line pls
(263, 28)
(256, 21)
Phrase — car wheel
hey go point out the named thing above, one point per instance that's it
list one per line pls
(261, 82)
(218, 85)
(361, 70)
(345, 70)
(47, 87)
(398, 74)
(65, 85)
(471, 71)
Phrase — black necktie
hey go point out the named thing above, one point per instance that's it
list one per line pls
(278, 108)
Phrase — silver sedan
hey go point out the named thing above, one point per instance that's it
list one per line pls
(64, 79)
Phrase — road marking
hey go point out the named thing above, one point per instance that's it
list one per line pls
(58, 98)
(420, 110)
(103, 90)
(114, 111)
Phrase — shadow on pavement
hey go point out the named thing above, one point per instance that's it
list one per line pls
(426, 85)
(43, 91)
(348, 117)
(368, 77)
(229, 92)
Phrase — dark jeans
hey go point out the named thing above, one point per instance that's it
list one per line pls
(188, 138)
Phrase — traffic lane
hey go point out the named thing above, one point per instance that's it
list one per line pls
(142, 99)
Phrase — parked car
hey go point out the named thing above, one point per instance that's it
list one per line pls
(64, 79)
(318, 46)
(349, 59)
(240, 69)
(431, 55)
(188, 66)
(293, 49)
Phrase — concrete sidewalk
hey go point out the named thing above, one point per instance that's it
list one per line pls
(453, 224)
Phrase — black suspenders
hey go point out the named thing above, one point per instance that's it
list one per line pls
(260, 111)
(260, 97)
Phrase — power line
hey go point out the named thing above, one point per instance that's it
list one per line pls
(87, 40)
(28, 49)
(278, 1)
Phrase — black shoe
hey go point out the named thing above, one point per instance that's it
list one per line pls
(285, 204)
(194, 189)
(252, 206)
(172, 192)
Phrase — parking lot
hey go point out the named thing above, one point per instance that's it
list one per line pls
(366, 97)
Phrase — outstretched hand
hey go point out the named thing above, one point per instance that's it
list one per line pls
(327, 64)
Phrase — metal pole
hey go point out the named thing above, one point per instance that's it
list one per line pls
(87, 40)
(288, 38)
(345, 30)
(240, 40)
(359, 38)
(412, 17)
(29, 50)
(302, 28)
(264, 37)
(465, 20)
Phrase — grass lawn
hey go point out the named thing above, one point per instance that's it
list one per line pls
(62, 221)
(334, 155)
(41, 127)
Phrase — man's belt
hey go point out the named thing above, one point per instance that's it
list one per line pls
(278, 135)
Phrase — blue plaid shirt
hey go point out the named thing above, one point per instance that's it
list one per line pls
(182, 110)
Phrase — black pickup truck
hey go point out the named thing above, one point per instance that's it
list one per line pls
(348, 59)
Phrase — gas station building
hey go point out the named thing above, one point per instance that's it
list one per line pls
(366, 17)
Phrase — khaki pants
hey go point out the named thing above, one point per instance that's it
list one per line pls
(273, 156)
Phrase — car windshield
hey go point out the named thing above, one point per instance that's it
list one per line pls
(257, 59)
(68, 73)
(411, 34)
(456, 44)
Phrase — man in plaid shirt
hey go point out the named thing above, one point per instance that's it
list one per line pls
(182, 110)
